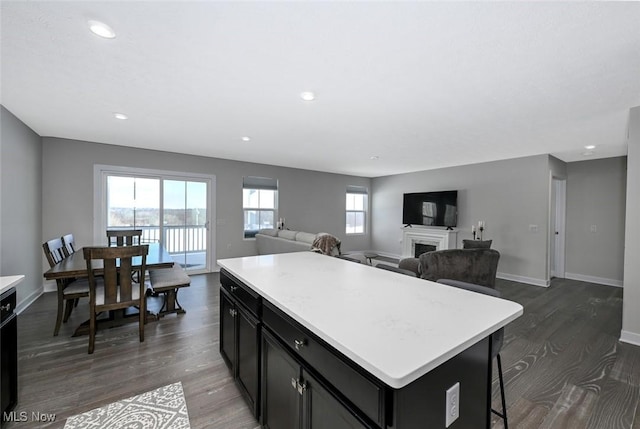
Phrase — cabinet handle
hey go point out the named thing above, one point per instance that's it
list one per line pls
(301, 387)
(5, 307)
(300, 343)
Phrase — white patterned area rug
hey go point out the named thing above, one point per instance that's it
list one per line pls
(162, 408)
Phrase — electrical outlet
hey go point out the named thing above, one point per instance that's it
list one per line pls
(533, 228)
(452, 404)
(594, 228)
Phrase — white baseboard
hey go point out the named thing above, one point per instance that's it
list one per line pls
(28, 300)
(593, 279)
(523, 279)
(630, 338)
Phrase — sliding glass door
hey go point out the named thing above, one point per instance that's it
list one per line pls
(184, 221)
(171, 210)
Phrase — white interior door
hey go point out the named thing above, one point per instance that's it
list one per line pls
(558, 243)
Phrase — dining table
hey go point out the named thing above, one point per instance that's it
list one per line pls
(74, 266)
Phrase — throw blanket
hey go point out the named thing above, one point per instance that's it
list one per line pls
(326, 244)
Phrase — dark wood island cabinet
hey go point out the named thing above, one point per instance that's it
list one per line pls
(317, 342)
(8, 345)
(240, 336)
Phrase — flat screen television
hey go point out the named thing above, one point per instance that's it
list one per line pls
(431, 208)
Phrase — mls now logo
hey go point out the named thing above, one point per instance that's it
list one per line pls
(24, 416)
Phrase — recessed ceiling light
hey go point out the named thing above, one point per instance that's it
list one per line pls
(101, 29)
(591, 146)
(246, 138)
(121, 116)
(308, 96)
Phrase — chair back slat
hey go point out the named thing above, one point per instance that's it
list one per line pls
(110, 280)
(53, 251)
(125, 282)
(124, 237)
(68, 244)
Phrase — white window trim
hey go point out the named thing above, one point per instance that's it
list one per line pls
(274, 210)
(364, 212)
(100, 173)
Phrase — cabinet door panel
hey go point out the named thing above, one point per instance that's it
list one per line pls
(248, 357)
(280, 399)
(360, 390)
(323, 411)
(227, 331)
(9, 364)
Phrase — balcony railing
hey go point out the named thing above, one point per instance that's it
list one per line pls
(177, 239)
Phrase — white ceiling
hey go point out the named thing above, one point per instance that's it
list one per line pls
(419, 85)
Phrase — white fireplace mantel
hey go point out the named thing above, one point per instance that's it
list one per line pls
(440, 238)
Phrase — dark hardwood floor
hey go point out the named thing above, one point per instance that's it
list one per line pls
(563, 364)
(56, 375)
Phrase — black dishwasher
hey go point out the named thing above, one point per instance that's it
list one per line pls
(8, 352)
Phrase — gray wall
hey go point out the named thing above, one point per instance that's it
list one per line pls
(21, 206)
(310, 201)
(508, 195)
(630, 314)
(596, 194)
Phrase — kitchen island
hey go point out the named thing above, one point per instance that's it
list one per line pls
(319, 341)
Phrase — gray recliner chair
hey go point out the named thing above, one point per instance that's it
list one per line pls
(478, 266)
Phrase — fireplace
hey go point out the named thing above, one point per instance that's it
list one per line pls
(417, 240)
(420, 248)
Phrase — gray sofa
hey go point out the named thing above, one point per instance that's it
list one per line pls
(271, 241)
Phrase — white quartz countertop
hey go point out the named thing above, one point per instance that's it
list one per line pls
(396, 327)
(8, 281)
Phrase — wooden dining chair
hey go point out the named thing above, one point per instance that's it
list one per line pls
(115, 290)
(69, 290)
(124, 237)
(68, 244)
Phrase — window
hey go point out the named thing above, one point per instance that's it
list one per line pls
(133, 202)
(259, 203)
(356, 210)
